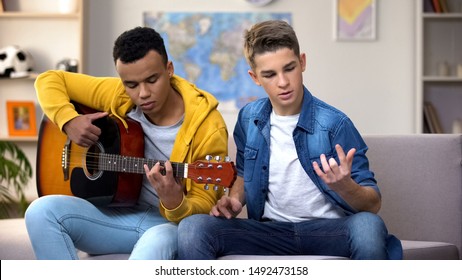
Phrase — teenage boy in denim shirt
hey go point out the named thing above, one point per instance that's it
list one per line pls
(305, 195)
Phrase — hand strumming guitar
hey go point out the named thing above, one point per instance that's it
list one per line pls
(82, 131)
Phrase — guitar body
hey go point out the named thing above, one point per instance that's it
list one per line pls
(110, 173)
(83, 178)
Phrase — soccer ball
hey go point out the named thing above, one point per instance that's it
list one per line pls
(15, 62)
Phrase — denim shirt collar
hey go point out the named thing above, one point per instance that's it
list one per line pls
(305, 121)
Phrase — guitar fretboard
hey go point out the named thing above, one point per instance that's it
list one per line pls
(118, 163)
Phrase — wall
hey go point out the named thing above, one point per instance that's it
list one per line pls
(49, 39)
(373, 82)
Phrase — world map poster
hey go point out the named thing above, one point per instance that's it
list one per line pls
(207, 50)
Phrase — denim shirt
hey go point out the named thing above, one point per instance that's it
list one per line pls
(319, 128)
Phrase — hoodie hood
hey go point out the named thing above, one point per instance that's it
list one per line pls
(199, 105)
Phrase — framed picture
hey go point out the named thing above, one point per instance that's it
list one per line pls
(21, 118)
(355, 20)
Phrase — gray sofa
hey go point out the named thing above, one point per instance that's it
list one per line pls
(420, 177)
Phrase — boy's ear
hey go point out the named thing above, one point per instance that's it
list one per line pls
(254, 77)
(170, 68)
(303, 61)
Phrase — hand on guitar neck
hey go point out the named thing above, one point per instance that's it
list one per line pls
(163, 181)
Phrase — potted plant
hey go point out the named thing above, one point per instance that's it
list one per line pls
(15, 173)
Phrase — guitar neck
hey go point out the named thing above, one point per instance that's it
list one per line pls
(125, 164)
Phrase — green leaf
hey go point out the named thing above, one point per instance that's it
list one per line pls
(15, 173)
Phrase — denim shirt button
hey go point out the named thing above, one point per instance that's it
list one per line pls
(264, 167)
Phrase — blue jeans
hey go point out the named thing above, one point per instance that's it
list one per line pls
(360, 236)
(58, 225)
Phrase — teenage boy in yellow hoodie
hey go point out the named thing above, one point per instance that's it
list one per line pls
(180, 124)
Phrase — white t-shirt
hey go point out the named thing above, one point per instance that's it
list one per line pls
(292, 196)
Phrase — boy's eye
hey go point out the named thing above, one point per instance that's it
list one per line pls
(152, 80)
(130, 85)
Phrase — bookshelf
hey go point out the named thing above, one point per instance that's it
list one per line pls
(50, 35)
(439, 64)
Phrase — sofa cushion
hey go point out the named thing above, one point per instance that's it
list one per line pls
(427, 250)
(15, 245)
(14, 240)
(413, 250)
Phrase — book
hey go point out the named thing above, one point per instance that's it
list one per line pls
(431, 118)
(426, 125)
(436, 6)
(444, 6)
(435, 120)
(428, 6)
(427, 119)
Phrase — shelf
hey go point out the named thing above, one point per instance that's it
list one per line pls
(62, 35)
(438, 52)
(39, 27)
(442, 16)
(441, 79)
(39, 15)
(19, 138)
(32, 76)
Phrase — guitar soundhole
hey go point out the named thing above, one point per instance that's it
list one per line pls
(91, 164)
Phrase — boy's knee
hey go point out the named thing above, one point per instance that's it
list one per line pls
(368, 236)
(35, 209)
(193, 221)
(367, 220)
(193, 225)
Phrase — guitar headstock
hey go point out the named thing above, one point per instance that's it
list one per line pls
(218, 173)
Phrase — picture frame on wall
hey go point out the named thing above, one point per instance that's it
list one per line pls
(21, 118)
(355, 20)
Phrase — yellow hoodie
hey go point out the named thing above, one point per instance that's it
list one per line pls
(202, 133)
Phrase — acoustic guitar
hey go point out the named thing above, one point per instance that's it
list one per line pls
(110, 173)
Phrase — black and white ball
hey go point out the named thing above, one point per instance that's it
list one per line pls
(15, 62)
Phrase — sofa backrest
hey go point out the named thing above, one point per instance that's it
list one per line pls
(420, 178)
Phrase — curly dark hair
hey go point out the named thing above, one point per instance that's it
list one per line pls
(134, 44)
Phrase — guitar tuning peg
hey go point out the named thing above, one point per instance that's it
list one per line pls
(215, 188)
(206, 187)
(218, 158)
(227, 159)
(225, 190)
(208, 157)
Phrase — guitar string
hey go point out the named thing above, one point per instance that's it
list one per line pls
(93, 155)
(113, 162)
(178, 168)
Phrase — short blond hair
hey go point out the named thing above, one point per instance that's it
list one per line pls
(269, 36)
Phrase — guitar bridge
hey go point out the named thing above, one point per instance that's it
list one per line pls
(65, 159)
